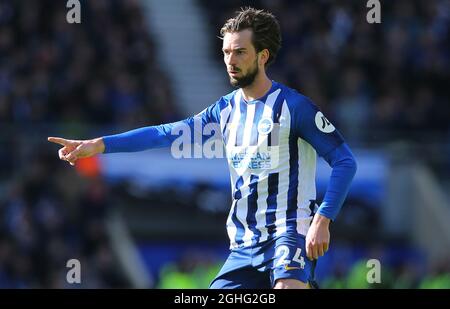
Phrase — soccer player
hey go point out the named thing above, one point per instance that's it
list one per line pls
(272, 135)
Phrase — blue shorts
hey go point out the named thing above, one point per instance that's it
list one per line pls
(260, 265)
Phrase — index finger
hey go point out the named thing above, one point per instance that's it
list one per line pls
(58, 140)
(309, 250)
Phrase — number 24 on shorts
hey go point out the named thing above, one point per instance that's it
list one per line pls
(283, 252)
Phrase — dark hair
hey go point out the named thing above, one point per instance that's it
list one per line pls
(265, 28)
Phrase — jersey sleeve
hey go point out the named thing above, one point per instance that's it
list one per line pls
(163, 135)
(344, 168)
(310, 124)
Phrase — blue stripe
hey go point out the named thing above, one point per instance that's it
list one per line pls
(276, 112)
(237, 196)
(291, 212)
(241, 127)
(272, 203)
(226, 130)
(253, 207)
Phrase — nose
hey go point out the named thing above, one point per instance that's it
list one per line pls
(230, 60)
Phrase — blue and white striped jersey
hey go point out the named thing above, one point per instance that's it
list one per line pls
(271, 147)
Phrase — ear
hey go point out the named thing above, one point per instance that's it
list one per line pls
(263, 57)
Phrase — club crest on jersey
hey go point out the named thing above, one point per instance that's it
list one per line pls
(323, 124)
(265, 126)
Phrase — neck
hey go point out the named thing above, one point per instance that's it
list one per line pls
(260, 86)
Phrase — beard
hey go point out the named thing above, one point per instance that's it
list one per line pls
(247, 79)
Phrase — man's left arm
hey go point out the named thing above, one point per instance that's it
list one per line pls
(344, 167)
(312, 126)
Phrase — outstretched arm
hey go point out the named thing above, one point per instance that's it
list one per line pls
(147, 137)
(138, 139)
(131, 141)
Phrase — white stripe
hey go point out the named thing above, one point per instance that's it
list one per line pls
(267, 113)
(224, 116)
(248, 124)
(268, 106)
(233, 126)
(280, 214)
(272, 97)
(307, 189)
(283, 183)
(242, 205)
(231, 228)
(263, 193)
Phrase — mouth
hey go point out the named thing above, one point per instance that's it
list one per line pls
(233, 73)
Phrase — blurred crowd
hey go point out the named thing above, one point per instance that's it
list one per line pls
(103, 71)
(45, 222)
(377, 82)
